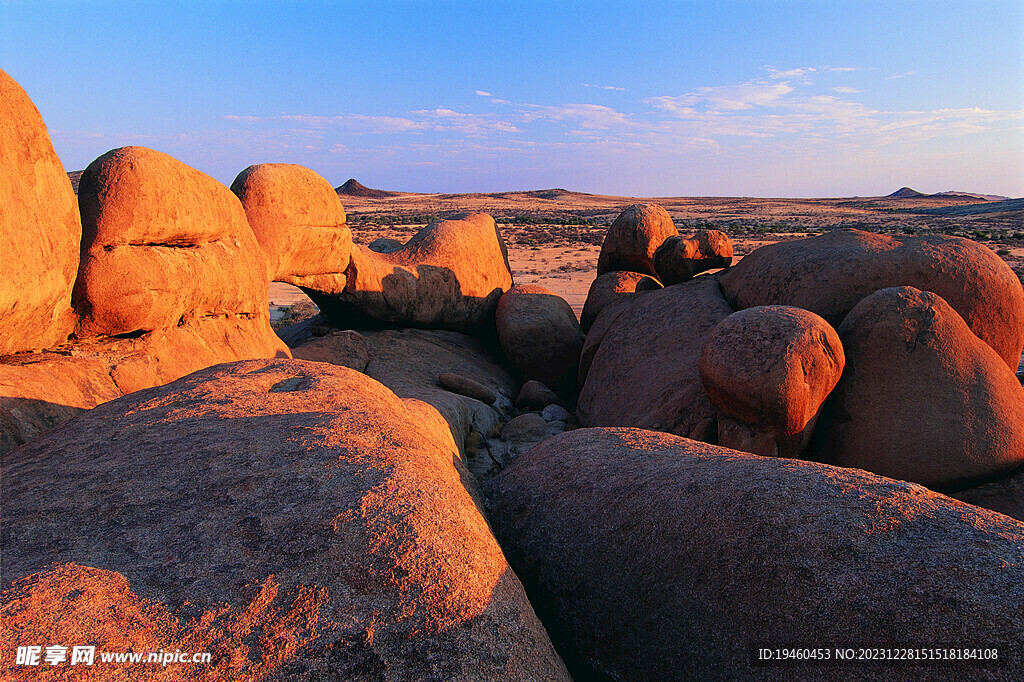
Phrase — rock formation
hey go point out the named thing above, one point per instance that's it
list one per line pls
(292, 518)
(768, 370)
(922, 398)
(40, 230)
(611, 287)
(538, 332)
(298, 221)
(634, 237)
(653, 557)
(678, 260)
(831, 273)
(450, 275)
(641, 369)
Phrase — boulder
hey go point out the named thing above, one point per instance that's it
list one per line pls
(831, 273)
(294, 519)
(539, 334)
(1004, 495)
(610, 288)
(526, 428)
(678, 260)
(642, 368)
(342, 347)
(653, 557)
(922, 398)
(450, 275)
(40, 230)
(768, 369)
(456, 383)
(385, 245)
(298, 221)
(634, 237)
(536, 395)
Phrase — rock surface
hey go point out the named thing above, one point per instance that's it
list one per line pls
(678, 260)
(830, 274)
(456, 383)
(610, 288)
(40, 230)
(294, 519)
(653, 557)
(643, 364)
(1004, 495)
(342, 347)
(768, 369)
(634, 237)
(536, 395)
(298, 220)
(538, 332)
(450, 275)
(922, 398)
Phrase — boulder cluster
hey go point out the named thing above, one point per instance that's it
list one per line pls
(445, 475)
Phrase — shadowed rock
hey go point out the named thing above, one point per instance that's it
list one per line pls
(538, 332)
(450, 275)
(653, 557)
(611, 287)
(922, 398)
(634, 237)
(830, 274)
(641, 368)
(1004, 495)
(678, 260)
(536, 395)
(40, 230)
(768, 370)
(296, 520)
(298, 221)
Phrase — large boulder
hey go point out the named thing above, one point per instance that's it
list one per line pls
(538, 332)
(611, 287)
(831, 273)
(653, 557)
(633, 238)
(450, 275)
(1004, 495)
(922, 398)
(40, 230)
(642, 369)
(678, 260)
(294, 519)
(298, 220)
(768, 369)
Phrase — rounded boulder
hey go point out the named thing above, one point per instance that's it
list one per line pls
(678, 260)
(611, 287)
(538, 332)
(634, 237)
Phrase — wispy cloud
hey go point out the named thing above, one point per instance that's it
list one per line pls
(900, 75)
(846, 89)
(842, 69)
(603, 87)
(483, 93)
(789, 74)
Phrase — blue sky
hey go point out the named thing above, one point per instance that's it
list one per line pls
(781, 98)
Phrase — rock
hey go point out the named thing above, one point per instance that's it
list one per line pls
(450, 275)
(557, 426)
(456, 383)
(529, 427)
(831, 273)
(595, 336)
(611, 287)
(634, 237)
(342, 347)
(678, 260)
(385, 245)
(643, 364)
(298, 221)
(40, 230)
(922, 398)
(1004, 495)
(553, 413)
(538, 332)
(536, 395)
(290, 518)
(768, 370)
(653, 557)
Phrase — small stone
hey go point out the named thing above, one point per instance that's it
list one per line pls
(537, 395)
(456, 383)
(526, 428)
(554, 413)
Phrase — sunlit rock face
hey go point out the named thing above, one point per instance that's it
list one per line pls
(296, 519)
(633, 238)
(39, 230)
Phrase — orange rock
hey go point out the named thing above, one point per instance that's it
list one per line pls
(922, 398)
(450, 275)
(611, 287)
(678, 259)
(40, 230)
(831, 273)
(538, 332)
(298, 220)
(294, 519)
(634, 237)
(768, 369)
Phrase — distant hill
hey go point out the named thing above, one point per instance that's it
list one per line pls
(353, 188)
(906, 193)
(1006, 206)
(75, 176)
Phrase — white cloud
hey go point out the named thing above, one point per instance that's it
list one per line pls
(802, 72)
(603, 87)
(484, 94)
(842, 69)
(845, 89)
(900, 75)
(725, 97)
